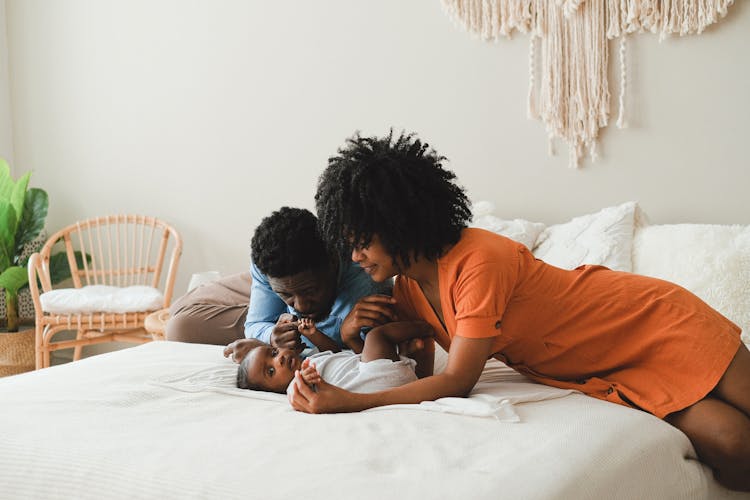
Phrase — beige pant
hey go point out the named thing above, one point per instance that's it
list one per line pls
(213, 313)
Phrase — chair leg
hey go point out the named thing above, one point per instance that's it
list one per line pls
(38, 358)
(79, 348)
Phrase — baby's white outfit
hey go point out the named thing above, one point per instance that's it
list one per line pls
(346, 370)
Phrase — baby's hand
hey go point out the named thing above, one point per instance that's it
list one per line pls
(310, 373)
(306, 326)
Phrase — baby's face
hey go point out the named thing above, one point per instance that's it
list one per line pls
(271, 368)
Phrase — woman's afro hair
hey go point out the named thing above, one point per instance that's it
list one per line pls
(288, 242)
(395, 188)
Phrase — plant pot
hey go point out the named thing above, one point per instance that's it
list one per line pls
(17, 352)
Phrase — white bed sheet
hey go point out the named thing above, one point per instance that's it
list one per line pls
(163, 420)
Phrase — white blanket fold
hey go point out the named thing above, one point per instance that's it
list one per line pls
(496, 393)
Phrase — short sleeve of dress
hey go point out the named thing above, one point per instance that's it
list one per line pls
(481, 294)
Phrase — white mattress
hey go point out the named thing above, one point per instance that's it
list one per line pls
(163, 420)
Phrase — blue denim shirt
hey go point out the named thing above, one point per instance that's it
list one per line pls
(266, 307)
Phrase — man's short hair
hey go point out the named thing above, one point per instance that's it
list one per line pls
(288, 242)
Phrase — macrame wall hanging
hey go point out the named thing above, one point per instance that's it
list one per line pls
(569, 53)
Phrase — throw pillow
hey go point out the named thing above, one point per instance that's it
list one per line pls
(712, 261)
(520, 230)
(602, 238)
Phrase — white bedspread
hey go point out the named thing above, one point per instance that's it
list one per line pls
(163, 420)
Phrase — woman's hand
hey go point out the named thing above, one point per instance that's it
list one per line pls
(369, 311)
(325, 398)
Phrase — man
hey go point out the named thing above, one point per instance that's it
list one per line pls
(293, 275)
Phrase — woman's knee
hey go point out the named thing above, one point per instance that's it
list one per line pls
(201, 329)
(727, 452)
(719, 432)
(185, 328)
(732, 445)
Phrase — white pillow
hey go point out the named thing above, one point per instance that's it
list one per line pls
(712, 261)
(520, 230)
(603, 238)
(101, 298)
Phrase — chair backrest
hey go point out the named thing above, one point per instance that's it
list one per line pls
(120, 250)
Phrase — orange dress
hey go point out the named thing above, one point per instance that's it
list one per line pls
(621, 337)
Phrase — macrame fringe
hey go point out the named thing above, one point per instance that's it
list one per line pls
(569, 52)
(531, 110)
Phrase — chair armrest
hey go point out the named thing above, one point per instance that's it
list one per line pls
(37, 269)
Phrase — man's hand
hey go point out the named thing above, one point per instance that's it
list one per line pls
(370, 311)
(286, 333)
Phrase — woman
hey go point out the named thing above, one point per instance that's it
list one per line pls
(620, 337)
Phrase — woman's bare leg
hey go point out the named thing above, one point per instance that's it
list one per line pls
(719, 425)
(734, 386)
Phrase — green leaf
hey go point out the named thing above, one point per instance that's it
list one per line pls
(13, 278)
(6, 181)
(18, 194)
(7, 234)
(33, 217)
(59, 270)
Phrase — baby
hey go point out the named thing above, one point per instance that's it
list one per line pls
(268, 368)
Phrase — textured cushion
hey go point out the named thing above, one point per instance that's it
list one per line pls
(603, 238)
(101, 298)
(520, 230)
(712, 261)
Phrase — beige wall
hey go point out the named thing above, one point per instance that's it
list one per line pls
(212, 113)
(6, 114)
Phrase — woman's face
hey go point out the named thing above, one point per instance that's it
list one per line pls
(375, 260)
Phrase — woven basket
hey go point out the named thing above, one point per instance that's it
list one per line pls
(17, 352)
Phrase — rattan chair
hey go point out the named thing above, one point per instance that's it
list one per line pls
(123, 251)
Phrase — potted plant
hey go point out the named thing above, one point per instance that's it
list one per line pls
(23, 211)
(22, 214)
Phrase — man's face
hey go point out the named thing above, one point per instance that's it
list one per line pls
(310, 293)
(271, 368)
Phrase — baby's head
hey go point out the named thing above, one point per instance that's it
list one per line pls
(268, 368)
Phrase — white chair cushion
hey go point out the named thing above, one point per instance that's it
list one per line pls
(101, 298)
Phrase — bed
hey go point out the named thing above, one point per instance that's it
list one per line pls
(165, 420)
